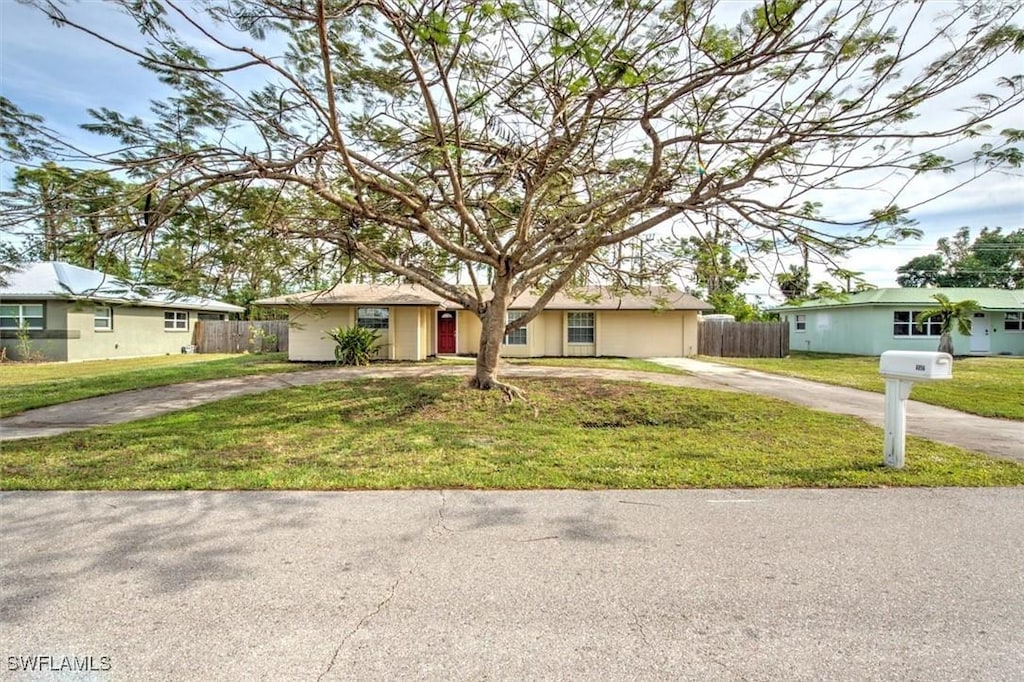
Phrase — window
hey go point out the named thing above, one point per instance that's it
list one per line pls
(209, 316)
(372, 318)
(103, 319)
(801, 323)
(1014, 322)
(516, 337)
(904, 323)
(176, 320)
(22, 315)
(580, 327)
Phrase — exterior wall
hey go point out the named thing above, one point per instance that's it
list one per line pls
(135, 332)
(691, 329)
(622, 333)
(664, 334)
(307, 341)
(868, 331)
(412, 334)
(1003, 342)
(406, 329)
(51, 343)
(467, 333)
(854, 331)
(428, 340)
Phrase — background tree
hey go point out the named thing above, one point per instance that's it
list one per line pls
(795, 283)
(226, 244)
(993, 260)
(84, 217)
(958, 315)
(718, 272)
(520, 138)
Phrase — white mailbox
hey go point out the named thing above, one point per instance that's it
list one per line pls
(901, 368)
(916, 365)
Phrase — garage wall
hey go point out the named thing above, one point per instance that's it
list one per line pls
(640, 333)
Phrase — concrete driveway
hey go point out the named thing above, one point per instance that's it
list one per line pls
(997, 437)
(619, 585)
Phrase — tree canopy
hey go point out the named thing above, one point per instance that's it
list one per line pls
(993, 259)
(511, 142)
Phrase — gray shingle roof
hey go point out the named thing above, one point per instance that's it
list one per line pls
(590, 298)
(57, 280)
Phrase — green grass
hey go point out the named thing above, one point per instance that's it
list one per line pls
(627, 364)
(990, 387)
(432, 433)
(27, 386)
(630, 364)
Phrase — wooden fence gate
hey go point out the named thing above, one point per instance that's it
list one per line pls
(240, 336)
(728, 339)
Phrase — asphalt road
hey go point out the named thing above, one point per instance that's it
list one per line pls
(754, 585)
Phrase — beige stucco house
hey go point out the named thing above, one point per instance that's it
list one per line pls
(73, 313)
(415, 324)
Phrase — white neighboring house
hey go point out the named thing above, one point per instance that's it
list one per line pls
(73, 313)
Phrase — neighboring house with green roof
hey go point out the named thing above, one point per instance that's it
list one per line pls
(73, 313)
(872, 322)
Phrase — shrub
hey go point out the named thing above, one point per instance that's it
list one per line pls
(259, 339)
(356, 345)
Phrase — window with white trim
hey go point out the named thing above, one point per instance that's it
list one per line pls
(516, 337)
(1014, 322)
(103, 318)
(372, 318)
(176, 321)
(580, 327)
(22, 316)
(904, 323)
(801, 323)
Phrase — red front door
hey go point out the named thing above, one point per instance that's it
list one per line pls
(446, 332)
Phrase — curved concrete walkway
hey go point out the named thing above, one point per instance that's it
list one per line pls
(997, 437)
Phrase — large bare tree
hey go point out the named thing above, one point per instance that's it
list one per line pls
(519, 138)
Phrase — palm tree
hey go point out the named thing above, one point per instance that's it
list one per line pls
(949, 314)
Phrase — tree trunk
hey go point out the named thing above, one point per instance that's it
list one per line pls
(946, 343)
(492, 334)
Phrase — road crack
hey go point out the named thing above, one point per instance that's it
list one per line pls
(359, 626)
(639, 626)
(440, 526)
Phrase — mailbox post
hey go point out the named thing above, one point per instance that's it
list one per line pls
(901, 368)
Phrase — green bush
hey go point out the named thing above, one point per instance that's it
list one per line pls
(356, 345)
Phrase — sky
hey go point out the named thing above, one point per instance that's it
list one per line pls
(59, 73)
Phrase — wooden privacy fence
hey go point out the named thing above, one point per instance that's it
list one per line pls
(240, 336)
(727, 339)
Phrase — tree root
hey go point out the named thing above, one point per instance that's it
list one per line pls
(511, 393)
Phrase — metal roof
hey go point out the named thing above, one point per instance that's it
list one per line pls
(988, 299)
(589, 298)
(57, 280)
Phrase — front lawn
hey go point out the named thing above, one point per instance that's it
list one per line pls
(627, 364)
(990, 387)
(26, 386)
(435, 433)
